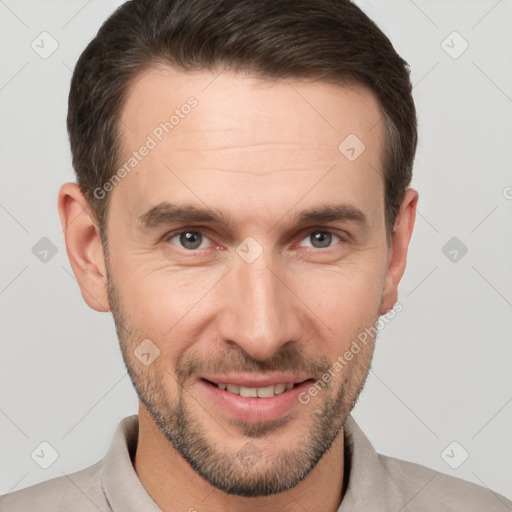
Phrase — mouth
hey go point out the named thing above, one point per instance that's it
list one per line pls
(254, 402)
(257, 392)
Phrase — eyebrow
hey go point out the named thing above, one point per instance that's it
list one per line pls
(168, 213)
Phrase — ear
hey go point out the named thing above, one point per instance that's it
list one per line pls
(397, 259)
(83, 245)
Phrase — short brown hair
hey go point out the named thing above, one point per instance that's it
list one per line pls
(326, 40)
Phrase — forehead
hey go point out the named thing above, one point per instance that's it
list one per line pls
(266, 140)
(233, 100)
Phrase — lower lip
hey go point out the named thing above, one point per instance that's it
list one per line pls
(253, 409)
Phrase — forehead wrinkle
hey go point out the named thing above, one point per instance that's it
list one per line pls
(302, 146)
(255, 173)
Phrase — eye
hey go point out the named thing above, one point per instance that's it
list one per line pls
(188, 239)
(321, 239)
(193, 240)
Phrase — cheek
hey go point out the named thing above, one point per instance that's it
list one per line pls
(347, 299)
(165, 304)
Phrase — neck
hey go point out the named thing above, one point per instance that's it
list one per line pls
(174, 486)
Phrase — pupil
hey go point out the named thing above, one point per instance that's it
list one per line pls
(190, 240)
(323, 238)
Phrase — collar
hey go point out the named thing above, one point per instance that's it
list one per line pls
(369, 486)
(121, 485)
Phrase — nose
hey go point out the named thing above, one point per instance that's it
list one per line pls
(258, 310)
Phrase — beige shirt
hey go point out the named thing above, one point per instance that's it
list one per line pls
(376, 483)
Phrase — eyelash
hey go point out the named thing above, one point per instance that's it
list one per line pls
(169, 236)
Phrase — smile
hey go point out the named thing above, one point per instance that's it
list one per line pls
(264, 392)
(251, 403)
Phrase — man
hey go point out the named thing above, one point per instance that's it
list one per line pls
(243, 210)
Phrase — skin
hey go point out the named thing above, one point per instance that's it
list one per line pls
(261, 152)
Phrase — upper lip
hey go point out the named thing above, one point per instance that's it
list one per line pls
(250, 381)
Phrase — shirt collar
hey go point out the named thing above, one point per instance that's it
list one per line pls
(121, 485)
(366, 488)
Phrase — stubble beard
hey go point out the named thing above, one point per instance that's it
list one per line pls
(248, 471)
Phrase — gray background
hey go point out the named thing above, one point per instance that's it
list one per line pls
(441, 370)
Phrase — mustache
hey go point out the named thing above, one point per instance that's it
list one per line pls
(289, 359)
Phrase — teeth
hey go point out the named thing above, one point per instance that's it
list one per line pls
(265, 392)
(248, 392)
(279, 388)
(233, 388)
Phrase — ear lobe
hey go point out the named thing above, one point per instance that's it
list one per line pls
(404, 225)
(83, 246)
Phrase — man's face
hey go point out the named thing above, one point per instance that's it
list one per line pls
(261, 299)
